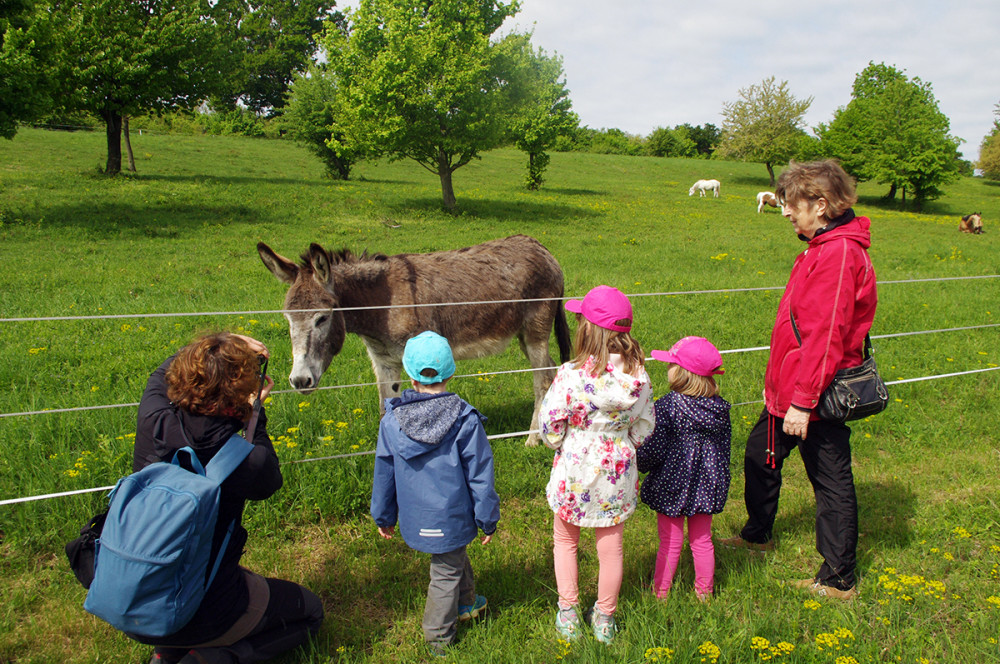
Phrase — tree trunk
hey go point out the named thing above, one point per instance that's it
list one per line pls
(891, 196)
(113, 124)
(128, 144)
(904, 195)
(770, 171)
(447, 191)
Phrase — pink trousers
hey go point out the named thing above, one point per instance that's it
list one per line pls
(671, 531)
(610, 554)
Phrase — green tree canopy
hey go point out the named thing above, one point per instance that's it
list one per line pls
(765, 125)
(25, 59)
(126, 57)
(272, 41)
(893, 133)
(538, 102)
(419, 80)
(989, 150)
(312, 116)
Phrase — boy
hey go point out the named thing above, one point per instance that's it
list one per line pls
(434, 474)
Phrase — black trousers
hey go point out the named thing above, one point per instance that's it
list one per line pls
(826, 454)
(293, 616)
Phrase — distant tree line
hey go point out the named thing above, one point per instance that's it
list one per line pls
(426, 80)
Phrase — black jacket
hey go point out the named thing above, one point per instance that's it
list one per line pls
(162, 429)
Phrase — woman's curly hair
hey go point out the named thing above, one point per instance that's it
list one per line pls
(214, 375)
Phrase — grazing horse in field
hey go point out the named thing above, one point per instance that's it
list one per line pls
(325, 285)
(766, 198)
(971, 223)
(701, 186)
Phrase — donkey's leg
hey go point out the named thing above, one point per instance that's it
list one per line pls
(536, 349)
(388, 370)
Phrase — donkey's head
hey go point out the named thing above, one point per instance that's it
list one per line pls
(316, 329)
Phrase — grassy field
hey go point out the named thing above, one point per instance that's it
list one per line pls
(180, 238)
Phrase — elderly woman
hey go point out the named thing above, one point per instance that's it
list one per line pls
(831, 296)
(199, 398)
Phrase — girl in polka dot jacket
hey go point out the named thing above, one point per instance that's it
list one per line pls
(687, 458)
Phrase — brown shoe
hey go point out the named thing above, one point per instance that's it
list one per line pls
(740, 543)
(818, 589)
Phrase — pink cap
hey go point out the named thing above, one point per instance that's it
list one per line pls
(603, 306)
(696, 354)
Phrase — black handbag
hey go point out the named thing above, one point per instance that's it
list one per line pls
(855, 392)
(81, 551)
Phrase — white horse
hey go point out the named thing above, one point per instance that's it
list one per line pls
(704, 185)
(766, 198)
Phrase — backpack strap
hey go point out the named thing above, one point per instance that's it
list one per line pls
(219, 468)
(228, 458)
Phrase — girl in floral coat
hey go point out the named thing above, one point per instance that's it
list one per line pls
(598, 410)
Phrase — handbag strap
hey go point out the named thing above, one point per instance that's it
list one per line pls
(868, 339)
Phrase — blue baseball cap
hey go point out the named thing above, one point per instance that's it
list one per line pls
(428, 350)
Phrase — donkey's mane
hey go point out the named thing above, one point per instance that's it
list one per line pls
(345, 256)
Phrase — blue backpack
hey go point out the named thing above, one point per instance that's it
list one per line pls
(152, 560)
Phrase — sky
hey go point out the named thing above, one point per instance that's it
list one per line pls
(640, 64)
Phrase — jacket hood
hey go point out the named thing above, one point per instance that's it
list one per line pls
(702, 414)
(425, 419)
(615, 390)
(856, 228)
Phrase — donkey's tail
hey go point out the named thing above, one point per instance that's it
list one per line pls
(562, 334)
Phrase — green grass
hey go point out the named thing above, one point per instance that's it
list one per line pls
(180, 237)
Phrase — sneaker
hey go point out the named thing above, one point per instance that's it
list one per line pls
(820, 590)
(470, 611)
(603, 625)
(435, 649)
(568, 623)
(704, 598)
(740, 543)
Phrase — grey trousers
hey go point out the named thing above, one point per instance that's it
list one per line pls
(452, 583)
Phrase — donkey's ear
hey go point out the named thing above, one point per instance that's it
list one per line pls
(320, 260)
(282, 268)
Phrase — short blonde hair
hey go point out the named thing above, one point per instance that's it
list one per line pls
(814, 180)
(600, 342)
(689, 383)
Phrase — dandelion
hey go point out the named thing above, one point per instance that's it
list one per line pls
(358, 411)
(126, 327)
(36, 351)
(811, 604)
(94, 388)
(994, 600)
(290, 444)
(961, 533)
(947, 556)
(70, 472)
(341, 426)
(846, 659)
(303, 405)
(292, 430)
(354, 447)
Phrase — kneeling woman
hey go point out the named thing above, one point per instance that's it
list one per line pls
(199, 398)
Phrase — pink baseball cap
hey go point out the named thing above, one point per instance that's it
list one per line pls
(603, 306)
(696, 354)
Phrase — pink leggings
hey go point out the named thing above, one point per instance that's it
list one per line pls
(671, 529)
(610, 554)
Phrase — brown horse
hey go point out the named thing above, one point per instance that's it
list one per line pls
(971, 223)
(505, 275)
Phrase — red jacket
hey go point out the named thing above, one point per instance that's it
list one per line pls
(832, 293)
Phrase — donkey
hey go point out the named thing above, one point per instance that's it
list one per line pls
(325, 283)
(766, 198)
(701, 186)
(971, 223)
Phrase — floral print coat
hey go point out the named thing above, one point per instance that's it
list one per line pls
(595, 423)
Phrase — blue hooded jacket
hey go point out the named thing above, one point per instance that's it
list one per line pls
(434, 472)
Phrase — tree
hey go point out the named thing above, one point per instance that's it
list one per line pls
(676, 142)
(312, 116)
(538, 102)
(419, 80)
(272, 42)
(989, 150)
(765, 125)
(705, 138)
(893, 133)
(129, 57)
(25, 51)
